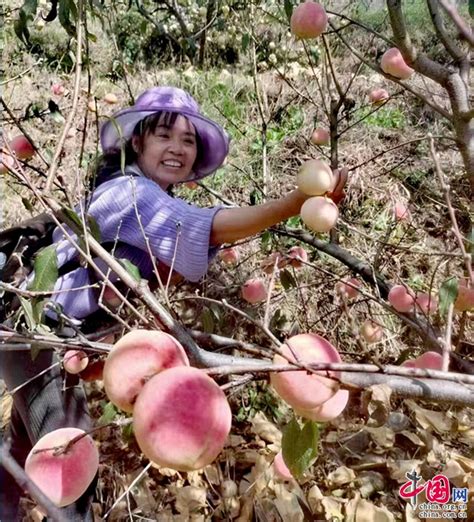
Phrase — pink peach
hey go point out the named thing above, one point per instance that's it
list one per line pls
(393, 63)
(181, 419)
(308, 20)
(254, 291)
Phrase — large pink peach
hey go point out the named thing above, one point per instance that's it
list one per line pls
(74, 361)
(301, 389)
(308, 20)
(401, 298)
(426, 361)
(63, 477)
(392, 63)
(134, 359)
(181, 419)
(315, 178)
(319, 213)
(329, 410)
(254, 291)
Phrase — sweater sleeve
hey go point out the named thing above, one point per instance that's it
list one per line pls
(132, 208)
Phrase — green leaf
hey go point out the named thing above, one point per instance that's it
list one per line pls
(447, 294)
(109, 414)
(288, 9)
(300, 446)
(470, 241)
(46, 270)
(70, 214)
(132, 269)
(471, 8)
(245, 41)
(28, 311)
(65, 13)
(207, 318)
(94, 228)
(287, 280)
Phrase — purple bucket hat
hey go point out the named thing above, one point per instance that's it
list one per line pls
(214, 140)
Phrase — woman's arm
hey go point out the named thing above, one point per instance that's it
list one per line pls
(232, 224)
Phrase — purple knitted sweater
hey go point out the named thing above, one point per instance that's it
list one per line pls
(168, 223)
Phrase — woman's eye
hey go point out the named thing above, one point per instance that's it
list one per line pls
(163, 135)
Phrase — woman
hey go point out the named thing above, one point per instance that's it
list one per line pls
(148, 148)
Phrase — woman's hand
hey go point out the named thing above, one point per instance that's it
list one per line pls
(338, 194)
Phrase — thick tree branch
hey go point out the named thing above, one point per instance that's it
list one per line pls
(445, 38)
(420, 62)
(459, 22)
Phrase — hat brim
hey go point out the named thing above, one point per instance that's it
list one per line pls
(215, 142)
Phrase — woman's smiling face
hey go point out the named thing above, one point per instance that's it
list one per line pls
(167, 154)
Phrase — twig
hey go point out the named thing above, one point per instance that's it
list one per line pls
(445, 188)
(459, 22)
(75, 98)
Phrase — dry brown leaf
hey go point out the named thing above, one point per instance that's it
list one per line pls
(314, 497)
(333, 508)
(413, 438)
(6, 402)
(287, 504)
(340, 476)
(368, 512)
(455, 473)
(437, 420)
(466, 463)
(382, 436)
(399, 468)
(376, 400)
(265, 429)
(189, 499)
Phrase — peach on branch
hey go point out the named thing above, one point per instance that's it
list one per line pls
(22, 147)
(111, 298)
(308, 20)
(427, 303)
(371, 332)
(63, 476)
(191, 185)
(254, 291)
(134, 359)
(320, 137)
(401, 298)
(319, 213)
(428, 361)
(298, 256)
(329, 410)
(393, 63)
(315, 178)
(300, 389)
(348, 288)
(230, 256)
(378, 96)
(181, 419)
(74, 361)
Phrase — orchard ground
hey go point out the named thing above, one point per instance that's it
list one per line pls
(369, 448)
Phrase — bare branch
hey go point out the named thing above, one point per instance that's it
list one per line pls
(420, 62)
(460, 23)
(445, 38)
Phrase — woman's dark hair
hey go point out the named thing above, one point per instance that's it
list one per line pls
(112, 160)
